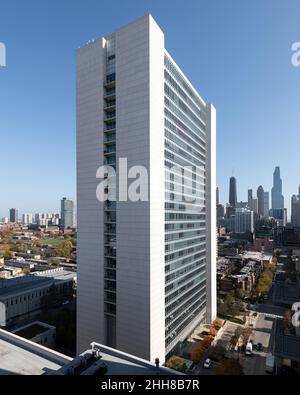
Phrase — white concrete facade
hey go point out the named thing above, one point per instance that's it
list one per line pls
(90, 250)
(137, 320)
(211, 244)
(140, 225)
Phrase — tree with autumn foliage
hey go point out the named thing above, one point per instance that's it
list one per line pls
(207, 340)
(197, 353)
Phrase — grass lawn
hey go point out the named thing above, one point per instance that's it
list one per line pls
(55, 241)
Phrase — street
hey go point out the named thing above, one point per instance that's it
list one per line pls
(255, 364)
(262, 331)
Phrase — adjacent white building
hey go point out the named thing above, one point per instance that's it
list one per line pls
(146, 269)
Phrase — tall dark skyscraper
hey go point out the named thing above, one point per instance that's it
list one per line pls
(260, 201)
(14, 215)
(250, 197)
(277, 197)
(232, 192)
(218, 196)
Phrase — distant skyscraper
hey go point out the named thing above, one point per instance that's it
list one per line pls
(295, 208)
(232, 192)
(220, 211)
(266, 204)
(280, 214)
(244, 220)
(250, 197)
(277, 197)
(67, 213)
(254, 205)
(218, 196)
(260, 201)
(14, 215)
(27, 219)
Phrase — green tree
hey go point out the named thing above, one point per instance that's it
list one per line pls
(64, 249)
(53, 262)
(231, 306)
(7, 254)
(176, 363)
(240, 293)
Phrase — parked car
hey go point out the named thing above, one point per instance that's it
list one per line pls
(270, 362)
(207, 363)
(249, 348)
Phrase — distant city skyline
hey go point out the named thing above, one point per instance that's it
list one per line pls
(257, 125)
(264, 195)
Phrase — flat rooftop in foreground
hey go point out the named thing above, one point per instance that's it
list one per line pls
(17, 360)
(121, 363)
(19, 356)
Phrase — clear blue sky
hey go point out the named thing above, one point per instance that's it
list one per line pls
(236, 53)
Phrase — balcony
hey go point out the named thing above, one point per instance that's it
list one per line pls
(110, 216)
(110, 229)
(109, 150)
(110, 263)
(110, 160)
(110, 126)
(110, 274)
(110, 297)
(110, 79)
(110, 285)
(110, 93)
(110, 205)
(110, 244)
(109, 138)
(110, 105)
(110, 239)
(110, 116)
(110, 309)
(110, 252)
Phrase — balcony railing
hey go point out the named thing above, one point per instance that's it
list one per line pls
(110, 160)
(110, 126)
(110, 205)
(110, 297)
(110, 263)
(110, 285)
(109, 251)
(110, 149)
(110, 116)
(110, 309)
(110, 228)
(109, 93)
(110, 105)
(111, 78)
(109, 138)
